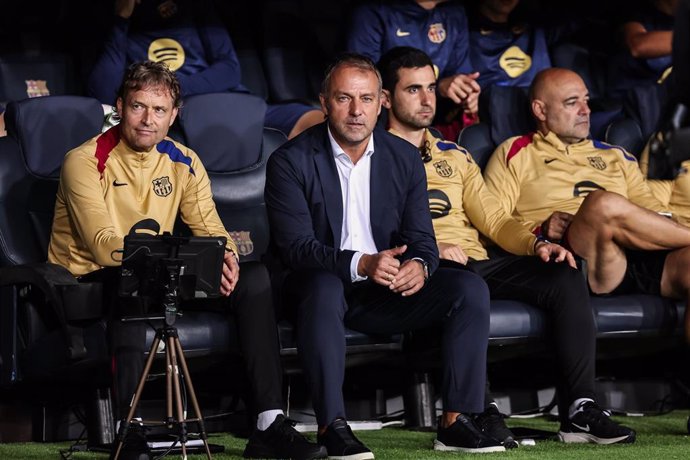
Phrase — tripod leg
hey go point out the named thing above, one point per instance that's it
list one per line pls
(181, 418)
(169, 387)
(125, 424)
(192, 396)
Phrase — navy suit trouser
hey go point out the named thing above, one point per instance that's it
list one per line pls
(453, 299)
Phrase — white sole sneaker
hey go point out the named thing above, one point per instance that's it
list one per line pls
(586, 438)
(438, 445)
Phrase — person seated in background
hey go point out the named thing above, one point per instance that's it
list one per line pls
(134, 172)
(189, 38)
(437, 27)
(349, 216)
(505, 51)
(646, 34)
(3, 132)
(589, 195)
(463, 212)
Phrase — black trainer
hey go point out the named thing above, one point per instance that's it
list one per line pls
(492, 423)
(134, 446)
(464, 436)
(281, 440)
(342, 444)
(594, 425)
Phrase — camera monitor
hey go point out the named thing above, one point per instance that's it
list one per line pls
(149, 260)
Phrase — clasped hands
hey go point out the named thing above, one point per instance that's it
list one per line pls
(385, 268)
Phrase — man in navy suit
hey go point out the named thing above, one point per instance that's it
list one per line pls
(349, 216)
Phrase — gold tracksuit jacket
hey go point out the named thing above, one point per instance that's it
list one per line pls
(105, 188)
(534, 175)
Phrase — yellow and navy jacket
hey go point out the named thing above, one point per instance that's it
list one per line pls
(462, 207)
(534, 175)
(105, 188)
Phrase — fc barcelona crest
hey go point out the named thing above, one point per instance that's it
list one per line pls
(443, 169)
(162, 186)
(436, 33)
(597, 162)
(243, 240)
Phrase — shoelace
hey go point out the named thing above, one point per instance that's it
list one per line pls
(287, 430)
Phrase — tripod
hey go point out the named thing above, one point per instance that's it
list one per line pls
(174, 361)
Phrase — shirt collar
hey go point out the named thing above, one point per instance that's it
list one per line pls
(557, 143)
(338, 151)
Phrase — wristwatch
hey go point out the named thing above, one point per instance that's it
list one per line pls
(425, 266)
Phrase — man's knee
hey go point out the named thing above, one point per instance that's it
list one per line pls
(316, 292)
(602, 206)
(466, 290)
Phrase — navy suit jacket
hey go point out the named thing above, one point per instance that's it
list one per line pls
(305, 206)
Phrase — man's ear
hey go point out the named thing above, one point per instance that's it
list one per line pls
(118, 105)
(539, 110)
(386, 98)
(324, 106)
(175, 111)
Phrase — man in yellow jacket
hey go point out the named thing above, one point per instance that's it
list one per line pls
(134, 172)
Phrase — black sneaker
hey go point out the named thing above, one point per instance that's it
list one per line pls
(281, 440)
(464, 436)
(134, 446)
(342, 444)
(592, 424)
(491, 423)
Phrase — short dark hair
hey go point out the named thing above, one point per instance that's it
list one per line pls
(400, 57)
(348, 60)
(149, 73)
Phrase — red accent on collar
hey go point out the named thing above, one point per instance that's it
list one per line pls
(519, 144)
(105, 144)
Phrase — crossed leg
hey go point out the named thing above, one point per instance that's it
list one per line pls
(607, 223)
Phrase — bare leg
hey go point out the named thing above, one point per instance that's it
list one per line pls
(675, 281)
(606, 223)
(309, 119)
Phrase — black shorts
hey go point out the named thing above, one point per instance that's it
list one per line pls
(643, 273)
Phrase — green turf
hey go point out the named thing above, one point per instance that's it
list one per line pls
(659, 437)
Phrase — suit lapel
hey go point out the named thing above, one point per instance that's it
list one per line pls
(330, 185)
(379, 190)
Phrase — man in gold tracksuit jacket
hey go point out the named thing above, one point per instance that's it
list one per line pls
(590, 195)
(131, 173)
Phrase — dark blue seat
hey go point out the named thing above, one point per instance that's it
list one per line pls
(626, 133)
(52, 329)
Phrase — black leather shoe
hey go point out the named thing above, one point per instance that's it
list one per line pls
(281, 440)
(342, 444)
(492, 423)
(464, 436)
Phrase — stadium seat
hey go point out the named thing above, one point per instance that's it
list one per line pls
(476, 139)
(226, 131)
(27, 76)
(291, 55)
(253, 76)
(626, 132)
(507, 111)
(645, 105)
(53, 341)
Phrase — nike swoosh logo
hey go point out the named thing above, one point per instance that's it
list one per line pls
(549, 160)
(400, 33)
(583, 428)
(118, 184)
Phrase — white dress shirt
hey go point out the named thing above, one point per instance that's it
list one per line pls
(356, 234)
